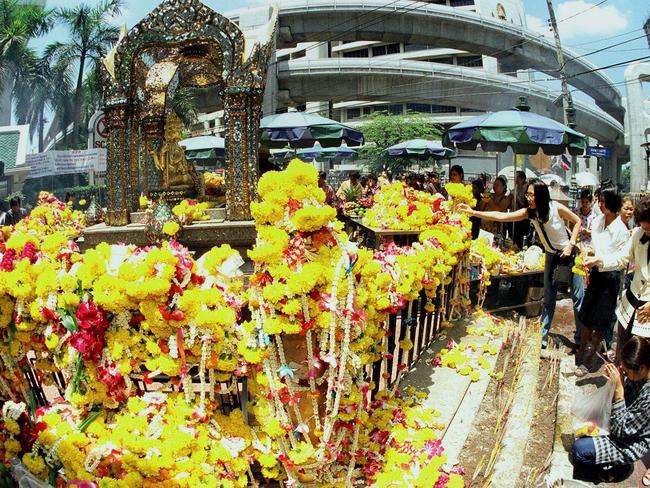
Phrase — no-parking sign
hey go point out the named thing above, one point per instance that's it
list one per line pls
(97, 131)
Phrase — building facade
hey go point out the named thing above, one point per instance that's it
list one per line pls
(451, 59)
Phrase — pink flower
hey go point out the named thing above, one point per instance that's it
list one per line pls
(442, 481)
(88, 344)
(114, 380)
(31, 252)
(433, 448)
(91, 317)
(7, 262)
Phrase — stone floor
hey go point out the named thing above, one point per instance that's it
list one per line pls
(563, 327)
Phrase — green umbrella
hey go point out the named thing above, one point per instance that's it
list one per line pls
(302, 129)
(421, 148)
(525, 132)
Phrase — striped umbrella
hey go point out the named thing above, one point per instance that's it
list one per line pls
(301, 129)
(525, 132)
(421, 149)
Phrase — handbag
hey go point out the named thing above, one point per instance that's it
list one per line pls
(563, 266)
(563, 272)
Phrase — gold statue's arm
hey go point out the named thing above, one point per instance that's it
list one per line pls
(157, 157)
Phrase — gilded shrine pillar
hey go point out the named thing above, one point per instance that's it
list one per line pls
(117, 165)
(242, 113)
(152, 129)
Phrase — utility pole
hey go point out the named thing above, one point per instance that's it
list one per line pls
(567, 100)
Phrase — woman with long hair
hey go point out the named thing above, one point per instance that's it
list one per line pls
(548, 219)
(456, 174)
(613, 455)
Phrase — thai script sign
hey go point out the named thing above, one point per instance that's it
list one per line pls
(65, 162)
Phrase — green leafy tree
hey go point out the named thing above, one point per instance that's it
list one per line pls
(18, 25)
(186, 103)
(383, 130)
(40, 87)
(90, 37)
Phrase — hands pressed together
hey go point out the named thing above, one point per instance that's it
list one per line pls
(612, 373)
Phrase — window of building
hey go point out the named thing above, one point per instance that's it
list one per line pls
(380, 108)
(379, 50)
(354, 113)
(387, 49)
(469, 110)
(460, 3)
(416, 47)
(367, 110)
(424, 108)
(396, 109)
(470, 61)
(359, 53)
(392, 49)
(442, 109)
(299, 54)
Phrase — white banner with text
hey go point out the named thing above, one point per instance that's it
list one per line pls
(52, 163)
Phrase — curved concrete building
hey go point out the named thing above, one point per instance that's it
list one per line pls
(448, 58)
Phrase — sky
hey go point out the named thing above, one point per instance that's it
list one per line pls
(585, 26)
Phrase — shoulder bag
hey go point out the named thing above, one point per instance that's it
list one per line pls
(563, 266)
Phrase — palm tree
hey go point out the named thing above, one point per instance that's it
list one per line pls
(185, 103)
(90, 37)
(18, 25)
(40, 87)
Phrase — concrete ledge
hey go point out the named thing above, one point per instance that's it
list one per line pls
(511, 455)
(561, 467)
(454, 396)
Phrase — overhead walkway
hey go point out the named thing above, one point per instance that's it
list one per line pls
(435, 25)
(401, 81)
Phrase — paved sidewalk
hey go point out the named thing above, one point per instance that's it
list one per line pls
(563, 326)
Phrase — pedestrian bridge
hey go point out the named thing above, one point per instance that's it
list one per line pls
(405, 21)
(395, 80)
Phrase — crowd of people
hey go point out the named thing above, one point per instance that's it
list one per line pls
(611, 303)
(357, 187)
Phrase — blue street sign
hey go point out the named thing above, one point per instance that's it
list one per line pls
(599, 152)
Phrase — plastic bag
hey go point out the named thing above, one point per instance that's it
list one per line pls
(592, 411)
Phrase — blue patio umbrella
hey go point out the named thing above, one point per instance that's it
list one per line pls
(317, 151)
(302, 130)
(284, 153)
(525, 132)
(420, 149)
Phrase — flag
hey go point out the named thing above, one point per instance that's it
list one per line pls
(565, 164)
